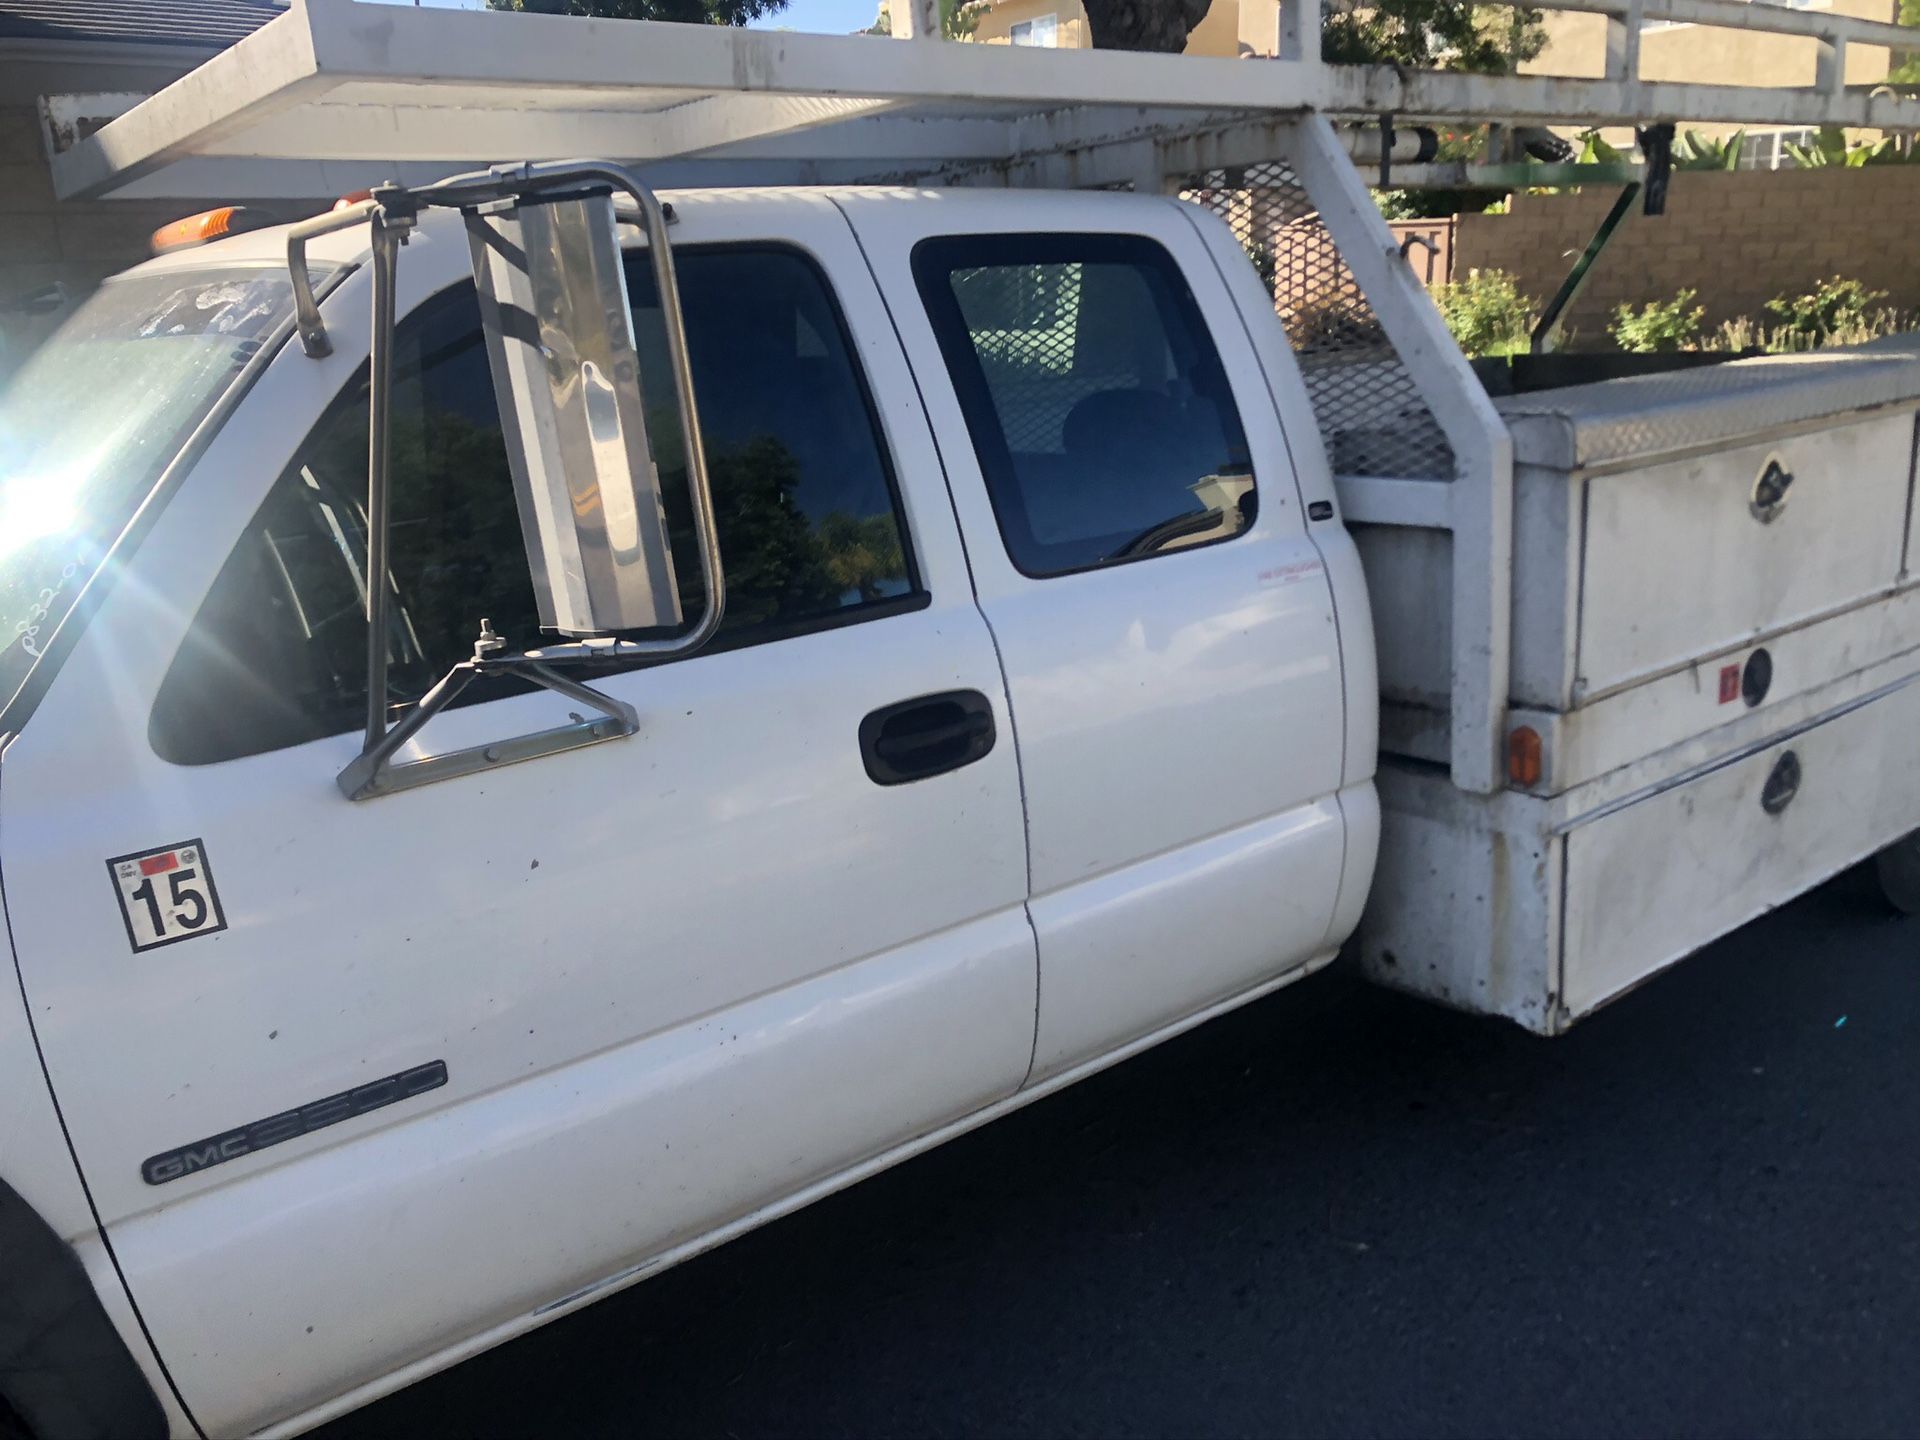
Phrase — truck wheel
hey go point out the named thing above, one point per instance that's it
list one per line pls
(64, 1370)
(1899, 869)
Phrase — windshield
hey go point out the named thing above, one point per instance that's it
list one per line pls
(92, 419)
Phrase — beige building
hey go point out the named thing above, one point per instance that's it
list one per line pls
(1576, 45)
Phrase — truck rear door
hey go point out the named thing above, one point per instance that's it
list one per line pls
(355, 1083)
(1167, 625)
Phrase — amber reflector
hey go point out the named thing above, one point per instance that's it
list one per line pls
(1523, 757)
(198, 229)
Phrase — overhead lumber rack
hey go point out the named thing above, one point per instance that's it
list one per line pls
(337, 93)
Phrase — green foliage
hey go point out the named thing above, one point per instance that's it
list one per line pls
(1430, 34)
(1265, 263)
(958, 19)
(1439, 204)
(1737, 336)
(774, 560)
(1694, 151)
(696, 12)
(1836, 306)
(863, 554)
(1595, 151)
(1486, 313)
(1837, 311)
(1659, 325)
(1907, 72)
(1830, 148)
(1436, 204)
(1334, 324)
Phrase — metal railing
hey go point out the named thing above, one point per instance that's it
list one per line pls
(1626, 21)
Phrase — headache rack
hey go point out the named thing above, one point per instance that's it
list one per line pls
(335, 95)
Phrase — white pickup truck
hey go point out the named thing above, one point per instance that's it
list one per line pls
(992, 691)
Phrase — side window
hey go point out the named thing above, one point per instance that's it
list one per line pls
(1096, 402)
(810, 529)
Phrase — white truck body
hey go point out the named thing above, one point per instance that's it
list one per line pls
(756, 976)
(416, 1074)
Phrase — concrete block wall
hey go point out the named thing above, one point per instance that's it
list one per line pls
(1738, 239)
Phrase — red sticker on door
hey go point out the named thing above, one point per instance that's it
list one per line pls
(166, 894)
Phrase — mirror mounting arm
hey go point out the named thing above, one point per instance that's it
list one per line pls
(389, 234)
(373, 772)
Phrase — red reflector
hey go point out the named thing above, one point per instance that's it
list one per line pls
(155, 864)
(1729, 684)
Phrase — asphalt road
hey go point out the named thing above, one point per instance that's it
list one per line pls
(1338, 1212)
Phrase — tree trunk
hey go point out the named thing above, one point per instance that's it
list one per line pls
(1144, 24)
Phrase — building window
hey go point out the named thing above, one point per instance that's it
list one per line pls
(1041, 30)
(1767, 149)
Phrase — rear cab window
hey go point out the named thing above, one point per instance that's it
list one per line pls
(1096, 402)
(810, 525)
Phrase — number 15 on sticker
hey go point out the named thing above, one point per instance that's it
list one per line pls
(167, 895)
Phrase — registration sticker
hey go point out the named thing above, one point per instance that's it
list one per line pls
(166, 895)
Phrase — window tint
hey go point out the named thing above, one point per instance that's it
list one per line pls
(1096, 402)
(810, 532)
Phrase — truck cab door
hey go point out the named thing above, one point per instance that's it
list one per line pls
(1167, 624)
(354, 1085)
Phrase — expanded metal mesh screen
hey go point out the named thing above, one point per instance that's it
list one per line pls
(1022, 320)
(1372, 416)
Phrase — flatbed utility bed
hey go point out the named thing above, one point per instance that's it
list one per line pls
(1716, 620)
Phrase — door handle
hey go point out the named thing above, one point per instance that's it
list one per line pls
(927, 735)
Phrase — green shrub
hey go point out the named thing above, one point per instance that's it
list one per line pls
(1596, 151)
(1659, 325)
(1850, 318)
(1486, 313)
(1334, 323)
(1829, 147)
(1834, 308)
(1694, 151)
(1871, 327)
(1736, 336)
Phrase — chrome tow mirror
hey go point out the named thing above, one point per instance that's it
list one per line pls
(566, 372)
(553, 303)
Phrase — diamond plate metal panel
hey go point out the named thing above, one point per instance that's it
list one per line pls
(1642, 416)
